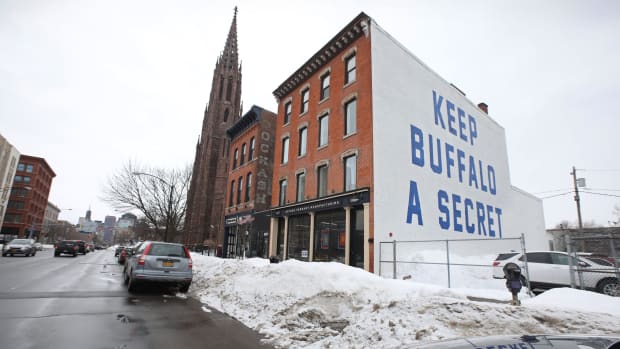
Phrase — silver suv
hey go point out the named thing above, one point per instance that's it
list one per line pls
(159, 262)
(551, 269)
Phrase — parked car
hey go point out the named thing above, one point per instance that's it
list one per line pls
(118, 250)
(563, 341)
(19, 246)
(38, 246)
(550, 269)
(82, 248)
(159, 262)
(67, 247)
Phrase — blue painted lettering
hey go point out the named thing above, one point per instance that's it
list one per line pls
(460, 157)
(492, 184)
(469, 206)
(481, 218)
(451, 118)
(417, 146)
(414, 203)
(437, 102)
(462, 125)
(449, 159)
(490, 220)
(473, 130)
(436, 167)
(473, 178)
(483, 187)
(456, 213)
(442, 201)
(498, 213)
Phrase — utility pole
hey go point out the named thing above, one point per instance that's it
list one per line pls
(574, 173)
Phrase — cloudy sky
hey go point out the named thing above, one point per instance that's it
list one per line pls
(90, 85)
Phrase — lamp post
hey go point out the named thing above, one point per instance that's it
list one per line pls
(169, 213)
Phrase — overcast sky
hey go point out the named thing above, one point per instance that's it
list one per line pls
(90, 85)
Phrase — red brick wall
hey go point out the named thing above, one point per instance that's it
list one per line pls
(337, 143)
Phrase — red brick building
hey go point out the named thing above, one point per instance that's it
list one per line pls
(372, 147)
(28, 201)
(246, 224)
(323, 158)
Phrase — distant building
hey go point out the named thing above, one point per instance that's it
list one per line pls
(28, 201)
(9, 156)
(108, 228)
(49, 220)
(207, 192)
(246, 225)
(372, 146)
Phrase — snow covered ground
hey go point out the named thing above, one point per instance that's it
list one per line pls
(329, 305)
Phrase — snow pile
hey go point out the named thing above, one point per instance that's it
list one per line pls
(329, 305)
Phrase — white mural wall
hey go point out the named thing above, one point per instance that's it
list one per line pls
(440, 163)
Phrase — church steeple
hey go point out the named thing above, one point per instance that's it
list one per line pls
(230, 55)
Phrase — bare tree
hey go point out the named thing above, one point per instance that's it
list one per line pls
(159, 194)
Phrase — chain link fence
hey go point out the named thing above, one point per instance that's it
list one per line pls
(595, 264)
(459, 263)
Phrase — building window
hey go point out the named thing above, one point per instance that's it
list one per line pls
(303, 140)
(287, 112)
(323, 129)
(248, 186)
(26, 179)
(350, 117)
(235, 158)
(305, 100)
(241, 162)
(18, 178)
(226, 112)
(350, 172)
(232, 194)
(322, 181)
(229, 88)
(221, 87)
(301, 186)
(282, 197)
(21, 167)
(239, 190)
(251, 153)
(350, 69)
(284, 159)
(325, 86)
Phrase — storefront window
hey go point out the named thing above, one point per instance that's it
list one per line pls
(298, 237)
(356, 256)
(329, 236)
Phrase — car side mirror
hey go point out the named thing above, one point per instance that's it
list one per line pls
(583, 264)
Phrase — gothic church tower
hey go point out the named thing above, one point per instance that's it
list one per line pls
(204, 220)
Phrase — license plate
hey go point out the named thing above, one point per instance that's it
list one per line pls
(168, 263)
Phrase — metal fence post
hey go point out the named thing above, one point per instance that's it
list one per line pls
(527, 269)
(394, 256)
(448, 260)
(571, 260)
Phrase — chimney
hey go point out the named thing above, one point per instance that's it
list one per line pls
(484, 107)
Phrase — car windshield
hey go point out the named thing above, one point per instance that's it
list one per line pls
(19, 242)
(167, 250)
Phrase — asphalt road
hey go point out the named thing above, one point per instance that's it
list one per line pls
(81, 302)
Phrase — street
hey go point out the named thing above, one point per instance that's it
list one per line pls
(81, 302)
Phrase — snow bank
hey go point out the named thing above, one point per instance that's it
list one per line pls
(329, 305)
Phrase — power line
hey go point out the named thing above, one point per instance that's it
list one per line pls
(602, 194)
(599, 169)
(552, 196)
(551, 191)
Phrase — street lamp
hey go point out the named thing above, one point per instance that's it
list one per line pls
(169, 213)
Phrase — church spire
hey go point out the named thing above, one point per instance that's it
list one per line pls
(230, 56)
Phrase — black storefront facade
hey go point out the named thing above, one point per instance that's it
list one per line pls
(246, 234)
(332, 228)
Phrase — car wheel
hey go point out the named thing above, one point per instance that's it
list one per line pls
(34, 253)
(609, 287)
(4, 255)
(184, 288)
(56, 254)
(131, 284)
(75, 255)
